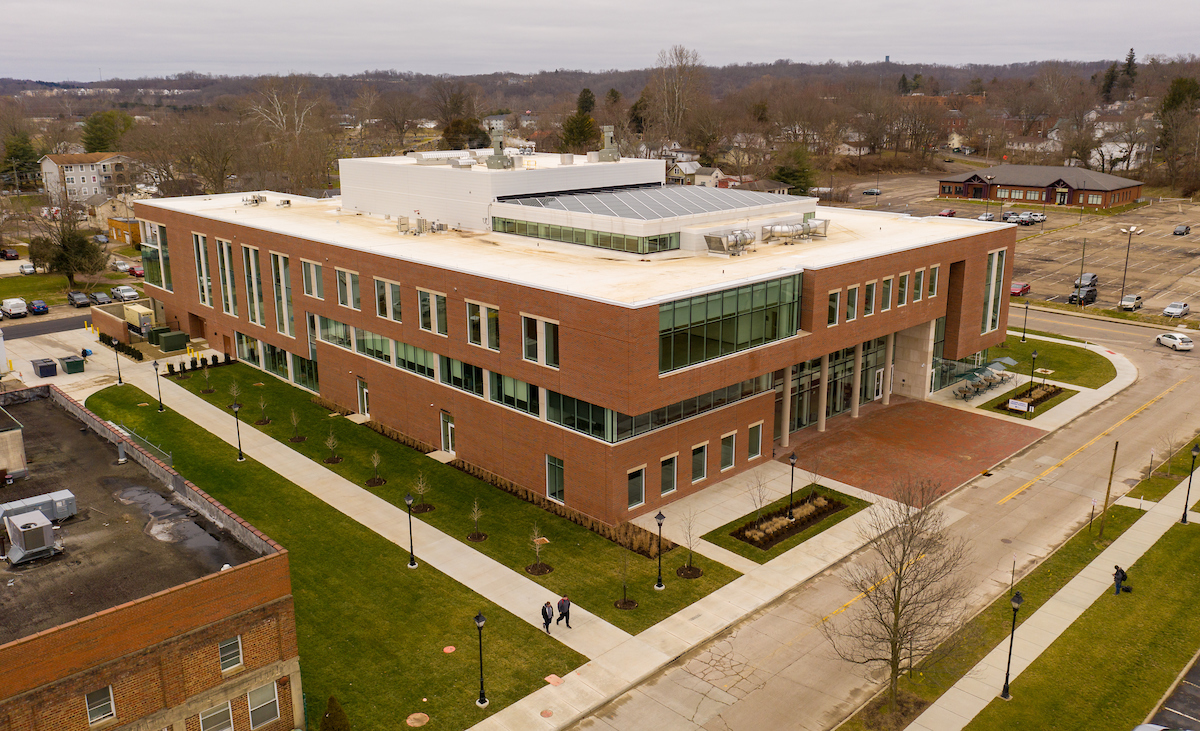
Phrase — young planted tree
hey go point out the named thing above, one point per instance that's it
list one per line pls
(207, 382)
(332, 442)
(760, 494)
(421, 488)
(295, 419)
(691, 537)
(537, 542)
(235, 392)
(626, 602)
(376, 481)
(262, 410)
(912, 588)
(476, 514)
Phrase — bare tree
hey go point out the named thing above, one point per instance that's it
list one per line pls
(759, 492)
(420, 488)
(691, 532)
(537, 541)
(235, 390)
(812, 472)
(476, 514)
(912, 588)
(676, 84)
(1167, 441)
(331, 442)
(398, 113)
(295, 419)
(375, 460)
(262, 409)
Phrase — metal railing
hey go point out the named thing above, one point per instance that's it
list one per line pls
(166, 457)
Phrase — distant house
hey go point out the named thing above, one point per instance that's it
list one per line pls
(766, 185)
(1049, 184)
(125, 231)
(496, 122)
(83, 176)
(693, 173)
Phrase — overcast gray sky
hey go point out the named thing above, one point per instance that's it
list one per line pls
(87, 40)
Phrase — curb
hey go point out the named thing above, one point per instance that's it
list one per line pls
(1102, 318)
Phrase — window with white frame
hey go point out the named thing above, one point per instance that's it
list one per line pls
(254, 293)
(933, 280)
(540, 341)
(432, 309)
(217, 718)
(314, 285)
(755, 441)
(835, 303)
(699, 462)
(230, 651)
(483, 325)
(203, 278)
(100, 705)
(281, 277)
(869, 299)
(387, 300)
(1094, 200)
(348, 294)
(902, 291)
(885, 295)
(554, 479)
(264, 705)
(667, 481)
(918, 283)
(637, 487)
(851, 304)
(728, 450)
(992, 291)
(228, 282)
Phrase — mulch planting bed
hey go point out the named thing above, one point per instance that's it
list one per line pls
(774, 527)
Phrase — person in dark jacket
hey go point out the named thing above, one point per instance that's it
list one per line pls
(547, 616)
(1118, 577)
(564, 611)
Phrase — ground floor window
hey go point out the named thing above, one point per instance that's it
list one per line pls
(275, 360)
(699, 462)
(264, 705)
(667, 484)
(247, 349)
(637, 487)
(554, 479)
(100, 704)
(304, 373)
(728, 443)
(755, 441)
(218, 718)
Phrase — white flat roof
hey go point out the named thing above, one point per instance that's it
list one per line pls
(629, 280)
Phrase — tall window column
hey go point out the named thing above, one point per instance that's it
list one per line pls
(787, 405)
(887, 368)
(857, 387)
(823, 393)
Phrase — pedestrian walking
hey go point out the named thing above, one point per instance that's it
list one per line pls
(1118, 577)
(547, 616)
(564, 611)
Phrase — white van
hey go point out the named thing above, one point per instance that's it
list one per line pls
(14, 307)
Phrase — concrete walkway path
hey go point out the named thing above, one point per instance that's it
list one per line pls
(972, 693)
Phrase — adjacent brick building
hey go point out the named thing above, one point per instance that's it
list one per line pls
(573, 325)
(1053, 185)
(164, 610)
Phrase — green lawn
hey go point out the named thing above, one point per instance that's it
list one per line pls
(988, 628)
(49, 287)
(371, 631)
(1160, 483)
(1044, 334)
(1140, 316)
(586, 566)
(1111, 666)
(997, 404)
(1070, 364)
(721, 536)
(129, 251)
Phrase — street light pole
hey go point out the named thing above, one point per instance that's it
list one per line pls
(158, 382)
(118, 357)
(483, 701)
(1026, 323)
(1032, 370)
(792, 486)
(988, 198)
(238, 425)
(1128, 243)
(1187, 501)
(659, 519)
(1017, 601)
(412, 559)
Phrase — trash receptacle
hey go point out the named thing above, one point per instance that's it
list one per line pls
(72, 364)
(44, 367)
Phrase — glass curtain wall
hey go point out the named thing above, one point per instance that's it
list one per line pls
(806, 383)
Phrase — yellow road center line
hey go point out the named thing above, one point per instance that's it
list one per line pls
(1095, 439)
(863, 595)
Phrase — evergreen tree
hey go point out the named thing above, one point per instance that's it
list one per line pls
(796, 171)
(902, 86)
(102, 132)
(586, 103)
(1110, 80)
(1130, 69)
(19, 154)
(612, 98)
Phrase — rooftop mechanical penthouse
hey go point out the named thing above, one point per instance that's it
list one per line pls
(571, 323)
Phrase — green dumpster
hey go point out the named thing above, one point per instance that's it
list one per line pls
(169, 342)
(72, 364)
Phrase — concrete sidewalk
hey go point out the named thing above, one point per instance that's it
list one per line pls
(972, 693)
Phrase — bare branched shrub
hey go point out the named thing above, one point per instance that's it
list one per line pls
(536, 542)
(420, 487)
(691, 532)
(375, 460)
(760, 494)
(295, 419)
(332, 443)
(476, 514)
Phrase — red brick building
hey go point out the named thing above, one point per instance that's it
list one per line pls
(1053, 185)
(128, 630)
(594, 336)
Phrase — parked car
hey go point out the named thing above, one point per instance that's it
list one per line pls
(27, 269)
(1018, 289)
(120, 266)
(13, 307)
(1182, 230)
(100, 239)
(1038, 217)
(1025, 218)
(38, 307)
(1176, 309)
(872, 191)
(1131, 302)
(10, 254)
(1082, 296)
(99, 298)
(987, 216)
(1088, 280)
(78, 299)
(946, 213)
(1175, 341)
(1009, 216)
(124, 293)
(137, 271)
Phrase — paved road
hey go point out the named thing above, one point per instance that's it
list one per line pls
(1182, 709)
(30, 327)
(775, 670)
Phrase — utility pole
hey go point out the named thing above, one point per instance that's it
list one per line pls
(1108, 492)
(1079, 282)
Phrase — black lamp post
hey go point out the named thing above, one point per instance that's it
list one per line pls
(1026, 323)
(118, 357)
(483, 701)
(238, 425)
(158, 382)
(987, 202)
(1032, 369)
(659, 519)
(412, 559)
(1187, 501)
(1128, 243)
(792, 485)
(1017, 601)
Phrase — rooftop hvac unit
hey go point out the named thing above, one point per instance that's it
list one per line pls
(402, 224)
(732, 243)
(58, 505)
(422, 226)
(31, 536)
(285, 203)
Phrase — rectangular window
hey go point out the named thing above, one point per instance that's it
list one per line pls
(387, 300)
(554, 479)
(992, 291)
(314, 285)
(231, 652)
(254, 294)
(851, 304)
(699, 462)
(474, 324)
(530, 328)
(372, 345)
(918, 285)
(100, 705)
(381, 301)
(203, 279)
(304, 373)
(902, 291)
(755, 441)
(517, 394)
(637, 488)
(1094, 200)
(417, 360)
(218, 718)
(336, 333)
(885, 295)
(281, 275)
(156, 260)
(348, 294)
(247, 349)
(493, 328)
(728, 442)
(933, 283)
(667, 484)
(869, 299)
(551, 331)
(835, 299)
(228, 281)
(462, 375)
(433, 311)
(264, 705)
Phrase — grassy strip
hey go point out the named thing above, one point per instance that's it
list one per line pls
(1166, 476)
(1166, 322)
(1071, 364)
(371, 631)
(991, 626)
(721, 537)
(997, 404)
(49, 287)
(1046, 335)
(1110, 667)
(587, 567)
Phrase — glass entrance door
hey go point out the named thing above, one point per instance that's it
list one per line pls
(447, 433)
(364, 399)
(879, 383)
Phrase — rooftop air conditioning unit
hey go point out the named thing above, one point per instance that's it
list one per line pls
(31, 536)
